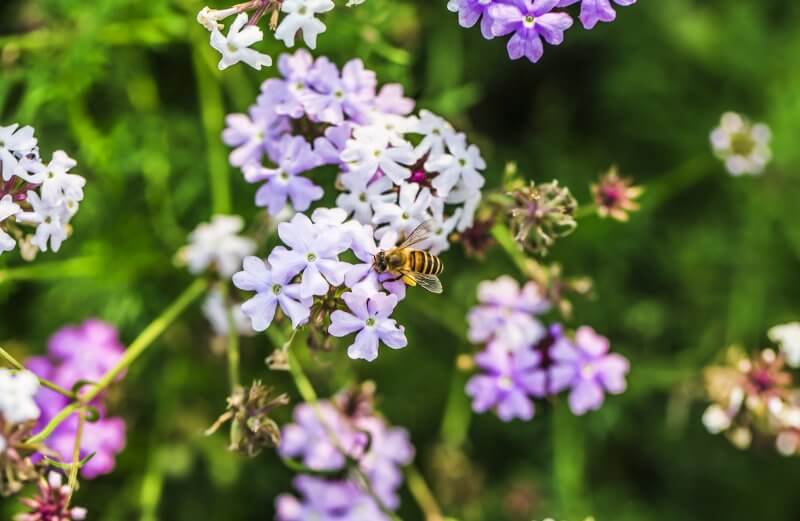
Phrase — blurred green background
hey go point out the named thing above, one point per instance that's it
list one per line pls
(130, 89)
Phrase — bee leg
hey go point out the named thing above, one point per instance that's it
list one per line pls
(409, 280)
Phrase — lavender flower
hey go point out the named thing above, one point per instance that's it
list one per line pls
(369, 317)
(594, 370)
(530, 21)
(593, 11)
(271, 292)
(470, 11)
(284, 182)
(312, 253)
(75, 353)
(507, 311)
(509, 378)
(325, 500)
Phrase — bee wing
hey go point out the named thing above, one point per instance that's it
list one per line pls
(420, 233)
(429, 282)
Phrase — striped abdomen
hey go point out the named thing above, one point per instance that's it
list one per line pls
(424, 262)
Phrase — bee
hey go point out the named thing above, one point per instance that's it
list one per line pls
(414, 267)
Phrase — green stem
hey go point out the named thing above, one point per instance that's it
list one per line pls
(503, 236)
(212, 114)
(13, 362)
(457, 411)
(136, 348)
(76, 458)
(569, 459)
(233, 343)
(586, 210)
(422, 494)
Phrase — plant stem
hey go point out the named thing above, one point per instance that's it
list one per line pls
(13, 362)
(585, 210)
(569, 457)
(233, 344)
(72, 268)
(422, 494)
(76, 457)
(136, 348)
(502, 235)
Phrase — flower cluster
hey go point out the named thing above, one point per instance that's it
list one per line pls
(298, 16)
(743, 146)
(524, 360)
(531, 21)
(18, 411)
(309, 282)
(52, 502)
(75, 354)
(32, 193)
(395, 170)
(757, 394)
(336, 435)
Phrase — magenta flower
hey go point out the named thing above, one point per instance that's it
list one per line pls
(271, 292)
(75, 353)
(508, 379)
(593, 11)
(369, 317)
(593, 370)
(530, 21)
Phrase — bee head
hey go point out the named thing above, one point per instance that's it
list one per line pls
(379, 262)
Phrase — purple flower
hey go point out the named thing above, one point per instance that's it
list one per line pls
(324, 500)
(285, 181)
(271, 292)
(329, 147)
(593, 370)
(530, 21)
(370, 318)
(249, 134)
(593, 11)
(391, 100)
(75, 353)
(507, 312)
(334, 96)
(390, 448)
(362, 276)
(312, 253)
(309, 437)
(509, 378)
(470, 11)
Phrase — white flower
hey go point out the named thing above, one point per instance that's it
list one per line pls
(371, 149)
(235, 47)
(353, 3)
(301, 18)
(743, 146)
(788, 337)
(461, 164)
(359, 195)
(435, 130)
(15, 145)
(58, 183)
(17, 391)
(716, 419)
(411, 209)
(216, 312)
(7, 208)
(438, 241)
(3, 444)
(218, 244)
(468, 214)
(50, 220)
(787, 443)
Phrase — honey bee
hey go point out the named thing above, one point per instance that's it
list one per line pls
(414, 267)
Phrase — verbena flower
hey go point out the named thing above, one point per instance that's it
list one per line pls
(593, 11)
(33, 194)
(595, 371)
(235, 47)
(271, 292)
(506, 381)
(743, 146)
(369, 317)
(301, 17)
(217, 246)
(216, 310)
(81, 353)
(327, 500)
(507, 310)
(615, 196)
(530, 21)
(17, 391)
(331, 435)
(51, 503)
(389, 163)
